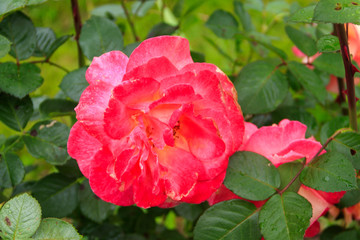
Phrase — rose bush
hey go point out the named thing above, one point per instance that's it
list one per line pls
(155, 128)
(281, 144)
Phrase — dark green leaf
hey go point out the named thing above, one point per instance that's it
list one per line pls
(331, 63)
(349, 139)
(349, 235)
(57, 107)
(197, 56)
(15, 112)
(19, 80)
(330, 172)
(178, 8)
(57, 195)
(188, 211)
(302, 40)
(11, 5)
(19, 29)
(251, 176)
(173, 235)
(70, 169)
(130, 48)
(74, 83)
(329, 128)
(100, 35)
(351, 197)
(261, 87)
(141, 7)
(337, 11)
(308, 79)
(92, 206)
(56, 44)
(287, 173)
(304, 15)
(234, 219)
(330, 232)
(243, 15)
(56, 229)
(223, 24)
(48, 140)
(4, 46)
(115, 10)
(44, 39)
(285, 216)
(328, 43)
(20, 217)
(13, 143)
(12, 170)
(348, 145)
(161, 29)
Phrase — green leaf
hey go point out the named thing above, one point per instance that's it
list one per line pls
(331, 63)
(351, 197)
(302, 40)
(141, 7)
(337, 11)
(11, 5)
(92, 206)
(57, 107)
(330, 232)
(4, 46)
(13, 143)
(330, 172)
(349, 139)
(19, 80)
(56, 229)
(308, 79)
(100, 35)
(130, 48)
(48, 139)
(261, 87)
(44, 39)
(303, 15)
(114, 10)
(57, 195)
(348, 145)
(287, 173)
(197, 56)
(243, 16)
(328, 43)
(178, 8)
(223, 24)
(285, 216)
(12, 170)
(15, 112)
(332, 126)
(238, 220)
(20, 30)
(161, 29)
(74, 83)
(251, 176)
(188, 211)
(56, 44)
(20, 217)
(349, 234)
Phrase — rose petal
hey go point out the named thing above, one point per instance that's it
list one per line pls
(313, 230)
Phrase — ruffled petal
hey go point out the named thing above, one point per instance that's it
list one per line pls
(313, 230)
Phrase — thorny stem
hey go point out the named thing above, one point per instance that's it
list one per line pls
(349, 74)
(78, 25)
(128, 18)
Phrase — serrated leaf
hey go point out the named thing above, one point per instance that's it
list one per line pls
(261, 87)
(308, 79)
(20, 217)
(44, 38)
(304, 42)
(328, 43)
(20, 30)
(331, 63)
(57, 107)
(99, 35)
(15, 112)
(303, 15)
(48, 140)
(92, 206)
(347, 144)
(251, 176)
(4, 46)
(349, 139)
(351, 197)
(287, 173)
(56, 229)
(74, 83)
(19, 80)
(223, 24)
(244, 16)
(238, 218)
(57, 195)
(330, 172)
(337, 11)
(11, 5)
(12, 170)
(161, 29)
(285, 216)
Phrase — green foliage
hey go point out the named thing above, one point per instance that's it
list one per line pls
(52, 228)
(303, 41)
(12, 170)
(223, 24)
(328, 43)
(337, 11)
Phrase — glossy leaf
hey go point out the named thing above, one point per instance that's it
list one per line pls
(251, 176)
(19, 29)
(349, 139)
(337, 11)
(304, 15)
(48, 140)
(331, 63)
(57, 195)
(347, 144)
(15, 112)
(44, 38)
(56, 229)
(328, 43)
(19, 80)
(20, 217)
(223, 24)
(57, 107)
(308, 79)
(351, 197)
(161, 29)
(287, 173)
(285, 216)
(12, 170)
(238, 220)
(11, 5)
(4, 46)
(99, 35)
(261, 87)
(302, 40)
(330, 172)
(74, 83)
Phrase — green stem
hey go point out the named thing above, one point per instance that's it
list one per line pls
(78, 25)
(52, 64)
(128, 18)
(349, 74)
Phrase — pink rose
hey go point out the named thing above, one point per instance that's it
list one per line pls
(280, 144)
(155, 128)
